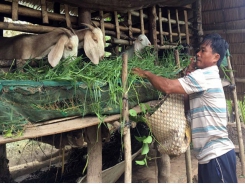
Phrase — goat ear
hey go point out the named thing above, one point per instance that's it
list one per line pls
(56, 52)
(137, 45)
(91, 48)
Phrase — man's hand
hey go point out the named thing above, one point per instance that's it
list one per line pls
(139, 72)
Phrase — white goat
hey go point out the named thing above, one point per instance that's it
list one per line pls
(56, 44)
(139, 44)
(92, 41)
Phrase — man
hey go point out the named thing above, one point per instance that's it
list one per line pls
(214, 150)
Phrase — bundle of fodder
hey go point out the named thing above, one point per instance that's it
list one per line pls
(74, 88)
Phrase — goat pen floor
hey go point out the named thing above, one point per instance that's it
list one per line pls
(140, 174)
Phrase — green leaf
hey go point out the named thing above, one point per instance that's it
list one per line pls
(140, 162)
(148, 140)
(132, 112)
(140, 139)
(145, 149)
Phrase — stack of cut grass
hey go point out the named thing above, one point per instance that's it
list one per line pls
(93, 77)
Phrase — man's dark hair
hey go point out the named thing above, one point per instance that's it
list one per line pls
(218, 45)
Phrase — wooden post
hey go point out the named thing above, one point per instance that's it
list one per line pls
(127, 137)
(238, 123)
(130, 27)
(44, 12)
(170, 27)
(186, 28)
(15, 10)
(153, 30)
(84, 16)
(160, 26)
(93, 139)
(4, 170)
(102, 25)
(177, 20)
(142, 22)
(176, 57)
(117, 31)
(67, 15)
(198, 31)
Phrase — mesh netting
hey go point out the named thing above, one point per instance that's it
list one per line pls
(29, 101)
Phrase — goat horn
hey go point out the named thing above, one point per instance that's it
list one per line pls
(89, 26)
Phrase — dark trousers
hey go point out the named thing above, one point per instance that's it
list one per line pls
(219, 170)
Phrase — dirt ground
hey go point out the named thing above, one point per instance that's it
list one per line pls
(37, 152)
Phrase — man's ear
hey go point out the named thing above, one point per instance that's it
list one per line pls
(216, 57)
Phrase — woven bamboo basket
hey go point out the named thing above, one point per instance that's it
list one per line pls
(169, 125)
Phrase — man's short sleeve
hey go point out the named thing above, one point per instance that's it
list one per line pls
(194, 82)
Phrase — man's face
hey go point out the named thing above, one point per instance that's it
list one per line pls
(205, 57)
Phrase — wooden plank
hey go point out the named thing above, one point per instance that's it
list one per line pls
(63, 125)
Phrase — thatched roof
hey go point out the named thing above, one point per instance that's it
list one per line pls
(116, 5)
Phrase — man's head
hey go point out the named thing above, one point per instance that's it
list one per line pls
(212, 51)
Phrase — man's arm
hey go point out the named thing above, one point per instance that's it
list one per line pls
(160, 83)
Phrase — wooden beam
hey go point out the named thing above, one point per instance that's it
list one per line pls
(225, 31)
(26, 27)
(240, 80)
(23, 11)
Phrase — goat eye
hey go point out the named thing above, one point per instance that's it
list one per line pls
(69, 47)
(141, 40)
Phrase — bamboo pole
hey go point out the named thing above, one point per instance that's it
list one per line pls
(238, 123)
(127, 137)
